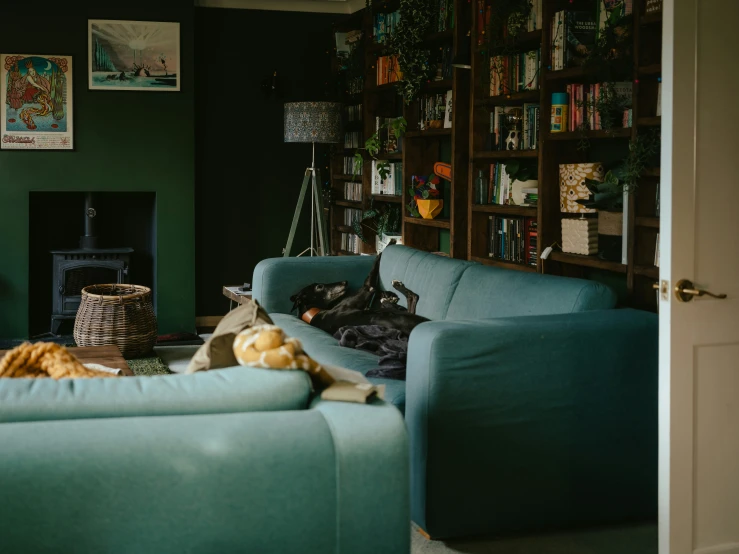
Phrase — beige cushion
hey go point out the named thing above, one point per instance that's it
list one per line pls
(218, 352)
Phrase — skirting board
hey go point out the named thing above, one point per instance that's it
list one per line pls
(208, 321)
(732, 548)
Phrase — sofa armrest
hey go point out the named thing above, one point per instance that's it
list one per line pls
(533, 422)
(277, 279)
(249, 482)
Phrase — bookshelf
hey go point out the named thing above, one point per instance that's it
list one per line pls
(421, 148)
(633, 279)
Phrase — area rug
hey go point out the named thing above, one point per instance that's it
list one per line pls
(148, 366)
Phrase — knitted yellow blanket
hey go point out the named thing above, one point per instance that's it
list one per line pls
(45, 359)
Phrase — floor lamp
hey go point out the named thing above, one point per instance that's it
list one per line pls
(313, 122)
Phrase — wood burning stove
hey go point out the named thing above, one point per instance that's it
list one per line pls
(88, 265)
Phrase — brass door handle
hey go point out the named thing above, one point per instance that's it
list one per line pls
(684, 291)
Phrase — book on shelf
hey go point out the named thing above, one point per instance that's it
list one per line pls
(608, 10)
(388, 70)
(351, 243)
(515, 72)
(512, 239)
(352, 166)
(534, 19)
(443, 64)
(392, 144)
(580, 30)
(393, 184)
(444, 15)
(558, 41)
(536, 16)
(584, 100)
(353, 192)
(352, 139)
(433, 108)
(448, 110)
(351, 215)
(353, 113)
(385, 25)
(522, 120)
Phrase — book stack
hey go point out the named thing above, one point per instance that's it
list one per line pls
(574, 32)
(530, 197)
(352, 166)
(498, 187)
(435, 108)
(385, 25)
(388, 70)
(351, 215)
(352, 139)
(353, 113)
(393, 185)
(511, 239)
(534, 20)
(350, 243)
(353, 192)
(515, 73)
(523, 121)
(445, 20)
(584, 99)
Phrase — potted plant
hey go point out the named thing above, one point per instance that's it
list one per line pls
(426, 199)
(607, 197)
(384, 220)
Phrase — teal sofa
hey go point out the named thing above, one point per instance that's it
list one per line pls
(531, 403)
(237, 460)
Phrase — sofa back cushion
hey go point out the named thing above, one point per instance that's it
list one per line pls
(232, 390)
(433, 278)
(485, 292)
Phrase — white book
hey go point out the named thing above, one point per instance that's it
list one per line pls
(448, 111)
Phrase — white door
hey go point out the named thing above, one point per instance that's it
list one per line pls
(699, 340)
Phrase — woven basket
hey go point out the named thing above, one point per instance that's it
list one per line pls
(120, 315)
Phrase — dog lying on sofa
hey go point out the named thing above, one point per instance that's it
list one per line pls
(329, 306)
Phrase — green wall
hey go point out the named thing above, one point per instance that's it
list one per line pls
(124, 141)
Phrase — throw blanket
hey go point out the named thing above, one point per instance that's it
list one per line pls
(389, 344)
(45, 359)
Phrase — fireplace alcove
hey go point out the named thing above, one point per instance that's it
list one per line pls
(61, 261)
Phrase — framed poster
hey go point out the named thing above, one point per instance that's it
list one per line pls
(133, 55)
(36, 102)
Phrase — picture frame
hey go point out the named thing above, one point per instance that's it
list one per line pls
(133, 55)
(36, 102)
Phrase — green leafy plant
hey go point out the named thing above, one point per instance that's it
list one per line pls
(518, 171)
(382, 220)
(611, 58)
(416, 17)
(374, 145)
(608, 194)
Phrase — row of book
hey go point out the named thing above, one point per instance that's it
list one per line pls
(385, 25)
(351, 215)
(515, 73)
(352, 166)
(353, 113)
(444, 64)
(388, 70)
(515, 127)
(574, 32)
(435, 108)
(445, 15)
(391, 142)
(583, 110)
(352, 139)
(355, 85)
(351, 243)
(499, 189)
(353, 192)
(392, 185)
(513, 239)
(534, 19)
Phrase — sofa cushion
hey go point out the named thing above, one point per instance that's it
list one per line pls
(325, 349)
(485, 292)
(433, 278)
(232, 390)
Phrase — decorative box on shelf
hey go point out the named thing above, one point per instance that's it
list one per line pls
(580, 236)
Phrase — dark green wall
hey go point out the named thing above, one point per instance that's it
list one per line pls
(125, 141)
(248, 179)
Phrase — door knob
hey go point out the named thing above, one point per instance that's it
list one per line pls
(684, 291)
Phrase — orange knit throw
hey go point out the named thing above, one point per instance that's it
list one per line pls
(45, 359)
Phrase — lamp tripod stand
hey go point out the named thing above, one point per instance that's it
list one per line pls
(317, 222)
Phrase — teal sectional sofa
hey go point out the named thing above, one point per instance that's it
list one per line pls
(530, 402)
(237, 460)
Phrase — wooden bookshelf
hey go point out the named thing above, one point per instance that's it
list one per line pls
(639, 273)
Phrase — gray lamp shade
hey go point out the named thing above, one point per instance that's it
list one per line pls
(313, 122)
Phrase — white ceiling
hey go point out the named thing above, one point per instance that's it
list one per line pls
(321, 6)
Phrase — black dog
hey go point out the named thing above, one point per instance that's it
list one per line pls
(329, 307)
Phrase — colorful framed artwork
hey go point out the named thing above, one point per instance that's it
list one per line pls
(36, 102)
(133, 55)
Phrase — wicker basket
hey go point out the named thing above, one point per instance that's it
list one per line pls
(122, 315)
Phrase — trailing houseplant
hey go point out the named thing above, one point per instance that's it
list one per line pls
(374, 145)
(423, 188)
(383, 220)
